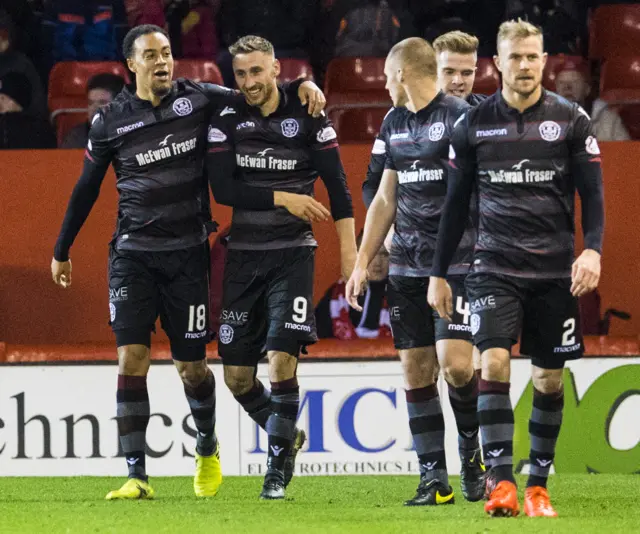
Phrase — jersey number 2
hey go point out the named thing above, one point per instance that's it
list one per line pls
(568, 338)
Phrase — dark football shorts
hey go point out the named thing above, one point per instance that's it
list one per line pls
(267, 304)
(544, 311)
(171, 284)
(414, 323)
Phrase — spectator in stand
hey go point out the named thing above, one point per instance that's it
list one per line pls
(141, 12)
(288, 24)
(18, 128)
(190, 23)
(11, 60)
(101, 89)
(336, 319)
(572, 82)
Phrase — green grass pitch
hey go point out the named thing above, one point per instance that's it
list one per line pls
(359, 504)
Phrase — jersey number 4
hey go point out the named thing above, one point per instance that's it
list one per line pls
(462, 307)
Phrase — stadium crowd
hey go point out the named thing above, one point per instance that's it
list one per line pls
(37, 34)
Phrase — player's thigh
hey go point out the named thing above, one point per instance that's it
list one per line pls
(134, 298)
(496, 307)
(184, 311)
(551, 332)
(242, 333)
(292, 323)
(411, 317)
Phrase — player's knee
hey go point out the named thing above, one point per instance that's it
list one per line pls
(192, 373)
(282, 366)
(133, 360)
(239, 380)
(458, 373)
(546, 380)
(496, 365)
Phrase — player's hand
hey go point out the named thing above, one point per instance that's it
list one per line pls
(355, 286)
(440, 297)
(61, 272)
(585, 273)
(303, 206)
(310, 93)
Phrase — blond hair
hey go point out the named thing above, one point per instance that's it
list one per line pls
(417, 54)
(517, 29)
(251, 43)
(457, 42)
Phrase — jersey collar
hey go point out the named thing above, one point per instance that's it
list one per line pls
(139, 103)
(513, 111)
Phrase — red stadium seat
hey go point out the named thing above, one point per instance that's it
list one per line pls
(66, 120)
(358, 125)
(620, 80)
(292, 69)
(487, 77)
(554, 65)
(197, 70)
(631, 118)
(68, 81)
(352, 80)
(614, 31)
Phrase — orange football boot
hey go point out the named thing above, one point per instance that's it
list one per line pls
(503, 501)
(537, 503)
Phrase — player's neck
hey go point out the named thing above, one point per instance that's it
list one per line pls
(420, 95)
(147, 94)
(272, 104)
(521, 102)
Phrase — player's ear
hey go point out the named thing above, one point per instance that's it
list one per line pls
(276, 68)
(545, 56)
(131, 64)
(496, 62)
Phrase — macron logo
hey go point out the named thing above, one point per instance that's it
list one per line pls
(430, 466)
(543, 463)
(128, 128)
(495, 453)
(227, 111)
(276, 450)
(491, 133)
(132, 461)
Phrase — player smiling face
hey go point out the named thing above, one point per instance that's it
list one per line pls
(521, 62)
(152, 64)
(456, 73)
(256, 74)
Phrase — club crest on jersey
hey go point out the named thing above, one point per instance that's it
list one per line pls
(436, 131)
(549, 130)
(290, 127)
(182, 107)
(225, 334)
(475, 324)
(591, 146)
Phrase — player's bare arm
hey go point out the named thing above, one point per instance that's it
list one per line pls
(379, 219)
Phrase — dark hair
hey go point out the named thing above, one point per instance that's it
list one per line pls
(133, 34)
(107, 81)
